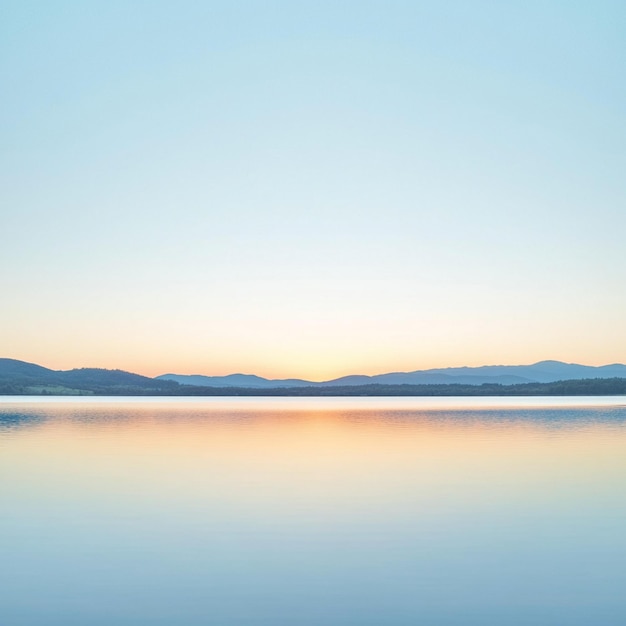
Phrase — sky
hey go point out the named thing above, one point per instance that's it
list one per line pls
(312, 189)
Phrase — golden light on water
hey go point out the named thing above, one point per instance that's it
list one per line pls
(331, 511)
(324, 450)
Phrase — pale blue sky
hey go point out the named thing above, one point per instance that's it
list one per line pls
(312, 189)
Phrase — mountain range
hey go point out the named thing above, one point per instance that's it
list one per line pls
(21, 377)
(542, 372)
(545, 377)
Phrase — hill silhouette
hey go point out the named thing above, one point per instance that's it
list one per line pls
(19, 377)
(541, 372)
(22, 378)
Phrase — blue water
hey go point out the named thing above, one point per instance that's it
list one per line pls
(302, 512)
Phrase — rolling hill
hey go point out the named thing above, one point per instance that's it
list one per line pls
(542, 372)
(546, 377)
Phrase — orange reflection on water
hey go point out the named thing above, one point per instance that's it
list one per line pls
(322, 461)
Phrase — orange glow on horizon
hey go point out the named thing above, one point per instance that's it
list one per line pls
(311, 371)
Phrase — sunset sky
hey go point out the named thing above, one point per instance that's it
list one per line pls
(312, 189)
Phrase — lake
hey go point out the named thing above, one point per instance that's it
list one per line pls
(313, 512)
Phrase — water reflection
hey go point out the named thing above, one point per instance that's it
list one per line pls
(303, 512)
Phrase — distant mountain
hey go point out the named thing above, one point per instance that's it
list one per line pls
(546, 377)
(11, 368)
(428, 377)
(542, 372)
(242, 381)
(21, 377)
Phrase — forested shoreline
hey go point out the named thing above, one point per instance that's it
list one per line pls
(151, 387)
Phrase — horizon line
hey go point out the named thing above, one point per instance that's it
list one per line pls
(240, 373)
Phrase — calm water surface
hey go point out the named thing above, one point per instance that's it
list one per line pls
(313, 512)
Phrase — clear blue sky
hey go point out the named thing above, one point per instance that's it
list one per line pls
(312, 188)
